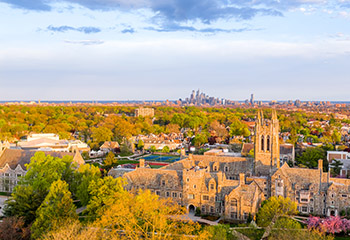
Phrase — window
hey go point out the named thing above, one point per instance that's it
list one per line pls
(19, 175)
(303, 200)
(332, 202)
(216, 198)
(217, 210)
(245, 215)
(215, 169)
(311, 199)
(332, 195)
(203, 208)
(158, 193)
(7, 175)
(311, 209)
(168, 194)
(205, 197)
(268, 143)
(163, 182)
(174, 195)
(234, 202)
(304, 208)
(233, 215)
(180, 195)
(211, 209)
(194, 186)
(344, 195)
(190, 196)
(226, 169)
(212, 186)
(187, 179)
(262, 143)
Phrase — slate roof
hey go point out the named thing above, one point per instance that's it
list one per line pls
(13, 157)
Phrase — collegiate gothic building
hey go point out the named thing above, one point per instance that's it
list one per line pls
(233, 187)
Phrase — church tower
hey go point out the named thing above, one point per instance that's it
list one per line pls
(266, 144)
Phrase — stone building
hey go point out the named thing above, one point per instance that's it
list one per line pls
(233, 187)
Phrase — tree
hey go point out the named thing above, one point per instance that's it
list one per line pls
(145, 216)
(140, 144)
(219, 130)
(83, 176)
(57, 207)
(200, 139)
(336, 167)
(13, 228)
(165, 149)
(101, 134)
(152, 148)
(110, 160)
(101, 191)
(311, 156)
(34, 186)
(274, 208)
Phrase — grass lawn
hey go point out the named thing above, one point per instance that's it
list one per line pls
(120, 162)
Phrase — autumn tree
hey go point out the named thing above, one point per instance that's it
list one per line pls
(57, 207)
(110, 160)
(101, 134)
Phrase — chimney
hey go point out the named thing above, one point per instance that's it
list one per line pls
(182, 152)
(241, 179)
(190, 156)
(142, 163)
(320, 165)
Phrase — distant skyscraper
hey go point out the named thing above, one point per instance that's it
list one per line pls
(252, 99)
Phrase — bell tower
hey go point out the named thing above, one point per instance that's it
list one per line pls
(266, 144)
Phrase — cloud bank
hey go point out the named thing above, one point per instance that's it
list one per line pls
(204, 11)
(86, 30)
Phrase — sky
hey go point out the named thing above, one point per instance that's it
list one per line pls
(162, 49)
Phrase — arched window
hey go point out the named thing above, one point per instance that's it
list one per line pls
(268, 143)
(262, 143)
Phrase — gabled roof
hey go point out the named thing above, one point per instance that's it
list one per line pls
(15, 157)
(110, 145)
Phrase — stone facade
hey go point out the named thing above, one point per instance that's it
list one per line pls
(233, 187)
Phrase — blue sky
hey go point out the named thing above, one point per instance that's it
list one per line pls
(162, 49)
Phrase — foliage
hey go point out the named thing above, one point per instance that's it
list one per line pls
(275, 207)
(31, 191)
(101, 191)
(83, 176)
(220, 232)
(110, 160)
(152, 149)
(330, 224)
(13, 228)
(101, 134)
(140, 144)
(311, 156)
(57, 207)
(336, 167)
(165, 149)
(141, 216)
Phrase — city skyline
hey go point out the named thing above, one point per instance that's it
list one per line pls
(142, 50)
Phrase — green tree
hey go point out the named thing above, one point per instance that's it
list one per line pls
(311, 156)
(34, 186)
(336, 167)
(275, 208)
(165, 149)
(101, 192)
(200, 139)
(152, 148)
(83, 176)
(57, 207)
